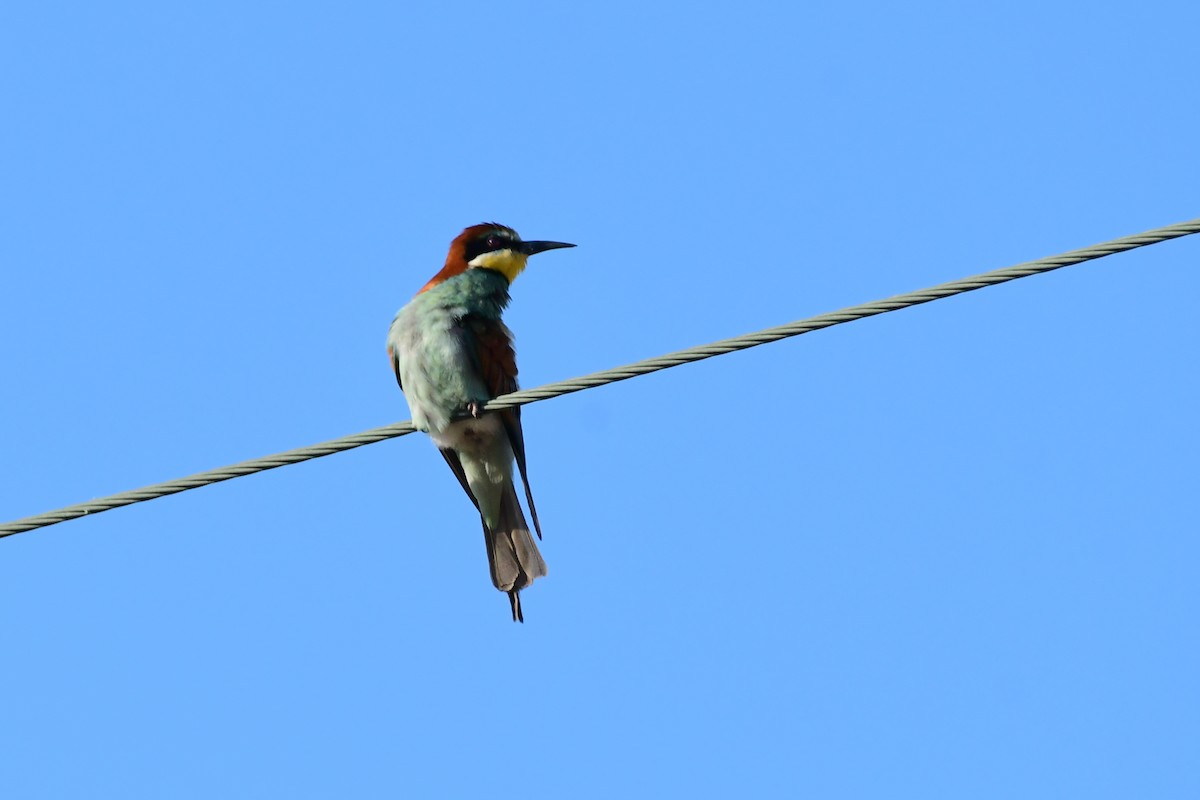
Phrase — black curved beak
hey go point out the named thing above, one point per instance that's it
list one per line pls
(533, 248)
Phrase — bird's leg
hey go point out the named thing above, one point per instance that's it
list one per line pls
(475, 409)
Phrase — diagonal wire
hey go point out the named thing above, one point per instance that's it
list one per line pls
(604, 377)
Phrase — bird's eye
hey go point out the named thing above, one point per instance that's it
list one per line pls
(493, 242)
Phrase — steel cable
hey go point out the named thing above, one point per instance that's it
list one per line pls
(608, 376)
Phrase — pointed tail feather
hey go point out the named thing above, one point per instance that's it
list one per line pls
(512, 553)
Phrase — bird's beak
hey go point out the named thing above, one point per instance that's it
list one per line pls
(532, 248)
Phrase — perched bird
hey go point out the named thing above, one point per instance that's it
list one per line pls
(452, 353)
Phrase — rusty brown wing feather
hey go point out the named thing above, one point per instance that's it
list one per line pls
(497, 363)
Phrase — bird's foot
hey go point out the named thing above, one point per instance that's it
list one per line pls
(475, 409)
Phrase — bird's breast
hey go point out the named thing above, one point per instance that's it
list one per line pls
(436, 369)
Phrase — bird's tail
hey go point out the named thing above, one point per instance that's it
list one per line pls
(512, 554)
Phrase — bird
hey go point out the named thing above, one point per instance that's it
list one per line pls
(451, 353)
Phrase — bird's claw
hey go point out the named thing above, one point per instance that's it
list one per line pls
(475, 409)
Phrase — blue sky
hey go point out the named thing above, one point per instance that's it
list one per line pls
(947, 552)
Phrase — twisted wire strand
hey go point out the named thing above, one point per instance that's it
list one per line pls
(608, 376)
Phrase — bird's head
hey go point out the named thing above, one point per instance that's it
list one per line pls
(490, 246)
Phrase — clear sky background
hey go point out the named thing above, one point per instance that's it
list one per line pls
(948, 552)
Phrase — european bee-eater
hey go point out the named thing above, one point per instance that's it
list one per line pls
(452, 353)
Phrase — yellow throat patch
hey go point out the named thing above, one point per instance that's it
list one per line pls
(508, 263)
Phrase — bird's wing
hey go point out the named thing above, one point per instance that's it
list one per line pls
(490, 343)
(395, 357)
(456, 467)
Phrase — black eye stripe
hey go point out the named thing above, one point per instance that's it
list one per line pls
(487, 244)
